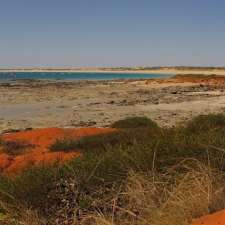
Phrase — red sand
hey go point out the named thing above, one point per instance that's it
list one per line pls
(207, 80)
(211, 80)
(39, 153)
(214, 219)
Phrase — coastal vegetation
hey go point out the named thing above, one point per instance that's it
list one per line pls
(124, 68)
(138, 174)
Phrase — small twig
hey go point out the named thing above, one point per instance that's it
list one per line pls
(93, 171)
(214, 147)
(153, 162)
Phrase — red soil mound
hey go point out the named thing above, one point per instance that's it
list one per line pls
(214, 219)
(38, 152)
(209, 80)
(202, 79)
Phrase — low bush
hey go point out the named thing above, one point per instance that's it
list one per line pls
(64, 145)
(205, 123)
(134, 122)
(101, 142)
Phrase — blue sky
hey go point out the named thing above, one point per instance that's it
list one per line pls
(112, 33)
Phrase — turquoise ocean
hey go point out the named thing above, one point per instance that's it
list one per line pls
(8, 76)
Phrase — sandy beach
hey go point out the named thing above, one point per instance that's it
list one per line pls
(35, 104)
(157, 70)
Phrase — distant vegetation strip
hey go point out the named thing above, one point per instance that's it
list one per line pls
(181, 68)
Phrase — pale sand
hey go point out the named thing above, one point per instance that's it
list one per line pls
(111, 70)
(28, 104)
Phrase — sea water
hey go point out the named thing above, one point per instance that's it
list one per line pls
(6, 76)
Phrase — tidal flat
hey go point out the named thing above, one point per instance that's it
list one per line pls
(35, 103)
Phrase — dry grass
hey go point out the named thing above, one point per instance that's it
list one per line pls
(166, 177)
(19, 215)
(151, 198)
(154, 199)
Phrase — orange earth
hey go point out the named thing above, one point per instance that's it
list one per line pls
(210, 80)
(214, 219)
(38, 154)
(39, 141)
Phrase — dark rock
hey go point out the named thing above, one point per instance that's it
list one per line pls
(11, 131)
(83, 124)
(28, 128)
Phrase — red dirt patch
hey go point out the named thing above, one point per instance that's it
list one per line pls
(214, 219)
(38, 153)
(210, 80)
(216, 80)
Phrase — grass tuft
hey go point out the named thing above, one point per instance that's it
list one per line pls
(204, 123)
(63, 145)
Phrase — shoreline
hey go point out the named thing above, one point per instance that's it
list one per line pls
(162, 71)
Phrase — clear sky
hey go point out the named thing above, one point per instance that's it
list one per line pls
(112, 33)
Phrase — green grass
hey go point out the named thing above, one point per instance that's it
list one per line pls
(205, 123)
(132, 175)
(63, 145)
(102, 142)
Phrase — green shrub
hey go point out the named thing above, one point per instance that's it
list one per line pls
(63, 145)
(204, 123)
(101, 142)
(134, 122)
(30, 187)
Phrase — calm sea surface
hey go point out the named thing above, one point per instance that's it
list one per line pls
(77, 76)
